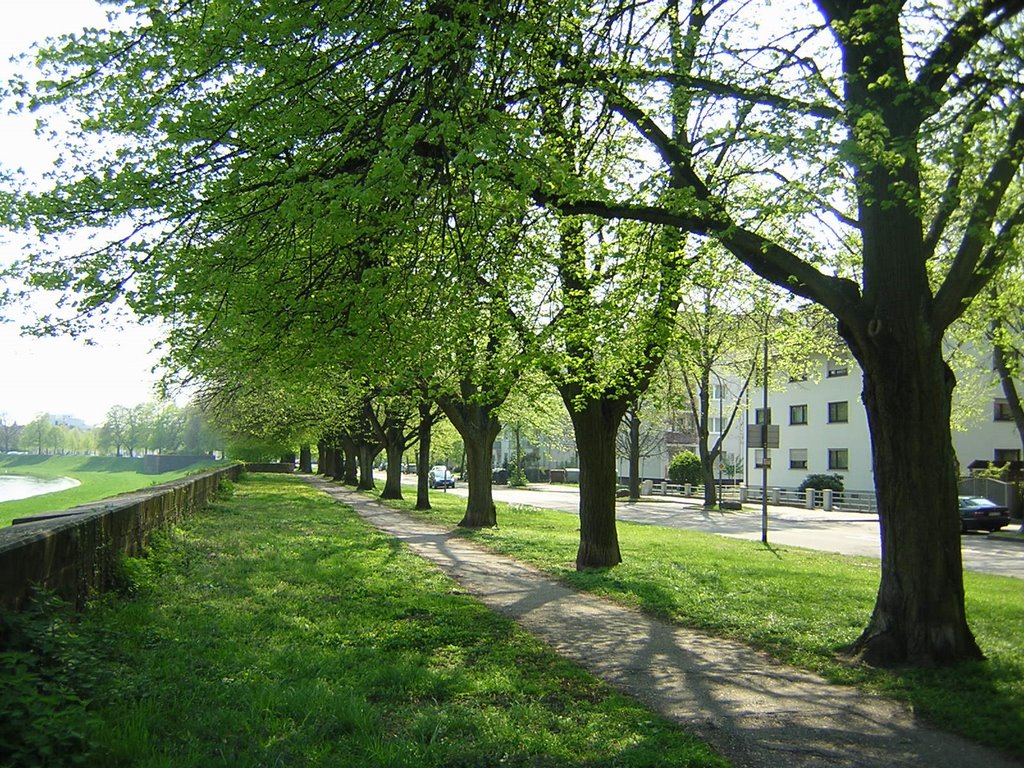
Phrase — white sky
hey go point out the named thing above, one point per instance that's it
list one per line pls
(60, 376)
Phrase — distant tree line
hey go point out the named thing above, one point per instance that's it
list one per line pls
(127, 431)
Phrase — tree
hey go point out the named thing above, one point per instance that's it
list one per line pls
(644, 433)
(533, 413)
(10, 431)
(37, 433)
(721, 327)
(114, 430)
(602, 350)
(863, 155)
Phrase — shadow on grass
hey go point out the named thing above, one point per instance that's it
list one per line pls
(970, 698)
(24, 461)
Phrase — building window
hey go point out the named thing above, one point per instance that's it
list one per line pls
(1003, 455)
(759, 461)
(838, 458)
(759, 414)
(797, 377)
(838, 412)
(832, 369)
(798, 414)
(714, 425)
(717, 392)
(798, 458)
(1001, 410)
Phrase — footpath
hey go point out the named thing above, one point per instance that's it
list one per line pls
(755, 711)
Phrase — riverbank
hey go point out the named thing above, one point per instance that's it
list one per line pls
(98, 478)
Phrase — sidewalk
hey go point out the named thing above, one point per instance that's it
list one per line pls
(753, 710)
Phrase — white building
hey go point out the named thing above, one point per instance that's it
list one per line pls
(823, 429)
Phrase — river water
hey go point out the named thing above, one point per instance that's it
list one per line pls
(22, 487)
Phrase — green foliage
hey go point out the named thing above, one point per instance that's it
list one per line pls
(993, 470)
(822, 482)
(516, 474)
(226, 489)
(47, 671)
(685, 468)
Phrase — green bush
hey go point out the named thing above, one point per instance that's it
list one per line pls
(516, 474)
(823, 483)
(45, 677)
(685, 468)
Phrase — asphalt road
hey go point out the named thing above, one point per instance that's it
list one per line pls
(848, 533)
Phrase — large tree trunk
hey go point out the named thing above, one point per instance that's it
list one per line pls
(305, 459)
(707, 473)
(349, 462)
(423, 456)
(479, 428)
(331, 459)
(395, 447)
(595, 426)
(322, 459)
(480, 510)
(919, 615)
(366, 453)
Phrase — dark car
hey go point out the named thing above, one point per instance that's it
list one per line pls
(979, 514)
(440, 477)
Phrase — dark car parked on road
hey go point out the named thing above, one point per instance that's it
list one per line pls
(979, 514)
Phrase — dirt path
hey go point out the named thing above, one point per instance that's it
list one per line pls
(752, 709)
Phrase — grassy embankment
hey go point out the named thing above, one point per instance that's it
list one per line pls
(100, 477)
(276, 628)
(803, 607)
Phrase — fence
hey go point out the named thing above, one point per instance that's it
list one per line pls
(73, 552)
(848, 501)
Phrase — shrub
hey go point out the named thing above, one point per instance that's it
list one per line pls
(45, 678)
(823, 483)
(516, 474)
(685, 468)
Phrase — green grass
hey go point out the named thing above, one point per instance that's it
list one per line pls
(276, 628)
(100, 478)
(802, 606)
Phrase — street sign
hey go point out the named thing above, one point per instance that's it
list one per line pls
(755, 436)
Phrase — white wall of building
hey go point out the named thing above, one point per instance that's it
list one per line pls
(987, 436)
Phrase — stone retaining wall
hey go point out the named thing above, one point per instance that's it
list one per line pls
(73, 552)
(270, 466)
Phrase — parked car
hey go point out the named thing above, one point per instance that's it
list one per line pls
(440, 477)
(979, 514)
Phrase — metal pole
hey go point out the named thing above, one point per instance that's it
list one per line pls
(764, 448)
(721, 437)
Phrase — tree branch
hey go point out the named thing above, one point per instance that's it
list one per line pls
(966, 32)
(967, 274)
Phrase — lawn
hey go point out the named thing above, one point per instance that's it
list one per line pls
(802, 606)
(277, 628)
(100, 478)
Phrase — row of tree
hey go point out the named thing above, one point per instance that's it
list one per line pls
(354, 219)
(126, 431)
